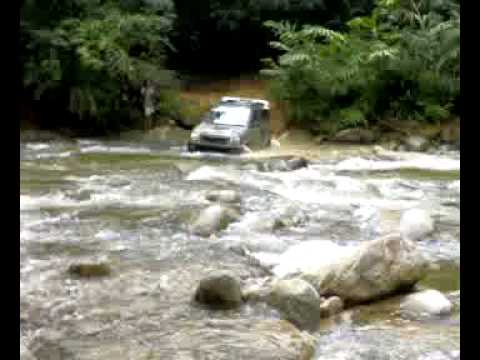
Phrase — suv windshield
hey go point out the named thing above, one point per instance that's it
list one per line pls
(232, 116)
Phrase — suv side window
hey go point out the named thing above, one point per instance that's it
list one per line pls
(255, 118)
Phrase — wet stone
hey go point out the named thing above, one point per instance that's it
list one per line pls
(89, 270)
(220, 289)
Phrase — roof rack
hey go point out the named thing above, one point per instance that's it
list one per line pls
(265, 103)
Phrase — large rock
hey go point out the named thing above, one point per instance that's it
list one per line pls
(220, 289)
(297, 301)
(416, 143)
(376, 268)
(357, 135)
(416, 224)
(226, 196)
(213, 219)
(427, 302)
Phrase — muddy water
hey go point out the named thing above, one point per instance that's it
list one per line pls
(131, 205)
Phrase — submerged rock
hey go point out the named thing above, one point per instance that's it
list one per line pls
(429, 302)
(375, 269)
(235, 339)
(297, 301)
(80, 195)
(415, 224)
(227, 196)
(220, 289)
(288, 217)
(213, 219)
(88, 270)
(283, 165)
(331, 306)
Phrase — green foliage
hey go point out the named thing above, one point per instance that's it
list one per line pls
(401, 62)
(235, 27)
(98, 64)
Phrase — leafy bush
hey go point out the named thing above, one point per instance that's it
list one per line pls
(401, 62)
(97, 63)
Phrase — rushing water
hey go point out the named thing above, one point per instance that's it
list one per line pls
(131, 205)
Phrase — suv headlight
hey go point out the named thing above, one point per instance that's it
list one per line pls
(235, 139)
(195, 135)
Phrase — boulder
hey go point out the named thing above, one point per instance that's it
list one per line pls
(427, 302)
(416, 143)
(374, 269)
(296, 163)
(356, 135)
(297, 301)
(226, 196)
(416, 224)
(219, 289)
(331, 306)
(214, 218)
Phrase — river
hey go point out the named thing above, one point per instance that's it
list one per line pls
(130, 204)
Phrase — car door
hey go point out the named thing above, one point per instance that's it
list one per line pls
(255, 137)
(265, 130)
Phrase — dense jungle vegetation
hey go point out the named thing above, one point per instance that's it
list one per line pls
(107, 65)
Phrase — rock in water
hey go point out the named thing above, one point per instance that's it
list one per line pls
(227, 196)
(331, 306)
(376, 268)
(220, 289)
(416, 143)
(429, 302)
(296, 163)
(86, 270)
(297, 301)
(415, 224)
(213, 219)
(283, 165)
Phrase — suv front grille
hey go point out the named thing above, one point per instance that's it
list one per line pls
(215, 140)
